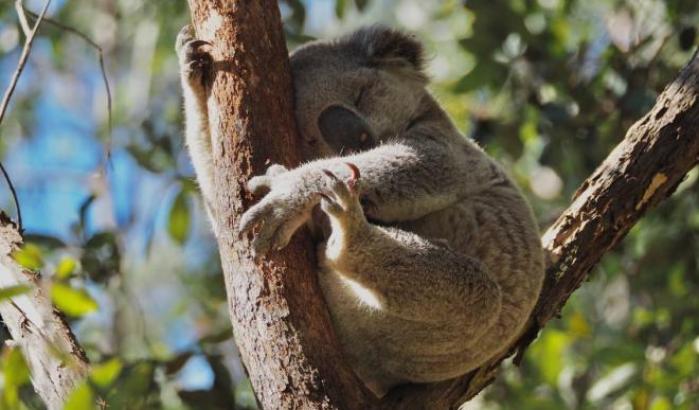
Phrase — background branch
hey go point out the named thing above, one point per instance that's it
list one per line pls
(22, 59)
(56, 361)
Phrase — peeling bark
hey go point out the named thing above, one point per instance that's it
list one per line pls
(280, 321)
(56, 361)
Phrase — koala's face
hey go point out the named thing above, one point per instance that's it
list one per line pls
(353, 93)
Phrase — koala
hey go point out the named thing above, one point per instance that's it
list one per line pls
(431, 261)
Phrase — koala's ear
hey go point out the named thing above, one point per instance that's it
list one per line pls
(345, 131)
(384, 46)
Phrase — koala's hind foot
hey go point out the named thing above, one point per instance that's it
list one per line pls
(196, 64)
(342, 205)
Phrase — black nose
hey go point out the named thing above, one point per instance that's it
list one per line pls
(345, 130)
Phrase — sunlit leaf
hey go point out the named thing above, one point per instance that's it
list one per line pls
(73, 302)
(82, 398)
(104, 374)
(179, 218)
(65, 267)
(661, 403)
(15, 370)
(12, 291)
(547, 353)
(578, 325)
(16, 374)
(29, 256)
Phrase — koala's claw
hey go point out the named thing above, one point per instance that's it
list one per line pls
(354, 178)
(195, 62)
(344, 201)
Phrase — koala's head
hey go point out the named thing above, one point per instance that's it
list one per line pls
(359, 90)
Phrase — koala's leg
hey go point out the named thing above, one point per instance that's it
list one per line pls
(196, 72)
(401, 273)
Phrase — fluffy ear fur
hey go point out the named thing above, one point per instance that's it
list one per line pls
(384, 46)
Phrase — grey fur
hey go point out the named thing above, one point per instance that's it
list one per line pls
(432, 262)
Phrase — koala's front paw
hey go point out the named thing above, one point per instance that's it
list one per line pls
(261, 184)
(196, 64)
(343, 206)
(281, 212)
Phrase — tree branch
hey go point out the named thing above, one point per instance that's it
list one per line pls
(56, 361)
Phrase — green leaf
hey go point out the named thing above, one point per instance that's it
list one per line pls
(104, 374)
(81, 398)
(548, 354)
(29, 257)
(65, 267)
(16, 374)
(244, 395)
(45, 241)
(339, 8)
(361, 4)
(73, 302)
(179, 218)
(101, 256)
(15, 368)
(12, 291)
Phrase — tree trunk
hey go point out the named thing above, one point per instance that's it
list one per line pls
(56, 361)
(280, 321)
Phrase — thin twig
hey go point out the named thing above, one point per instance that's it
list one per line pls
(14, 196)
(22, 62)
(22, 18)
(30, 35)
(100, 54)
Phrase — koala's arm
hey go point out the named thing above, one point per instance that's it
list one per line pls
(195, 73)
(405, 179)
(403, 274)
(402, 180)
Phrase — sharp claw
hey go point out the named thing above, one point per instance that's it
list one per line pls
(354, 177)
(330, 174)
(354, 169)
(198, 43)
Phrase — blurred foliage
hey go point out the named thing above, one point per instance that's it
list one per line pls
(546, 86)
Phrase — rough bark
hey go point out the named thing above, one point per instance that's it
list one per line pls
(281, 324)
(280, 321)
(56, 361)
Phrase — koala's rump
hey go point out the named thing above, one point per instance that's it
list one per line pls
(389, 348)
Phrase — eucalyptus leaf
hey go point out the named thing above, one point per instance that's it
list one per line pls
(71, 301)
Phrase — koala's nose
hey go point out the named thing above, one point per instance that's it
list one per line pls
(345, 130)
